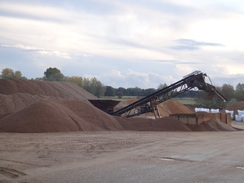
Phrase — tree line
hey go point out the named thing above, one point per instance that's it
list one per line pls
(94, 86)
(10, 73)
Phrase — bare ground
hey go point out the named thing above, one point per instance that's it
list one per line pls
(122, 156)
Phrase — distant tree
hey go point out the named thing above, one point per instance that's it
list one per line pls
(119, 95)
(75, 79)
(97, 87)
(161, 86)
(92, 85)
(239, 93)
(9, 73)
(134, 91)
(146, 92)
(37, 79)
(209, 101)
(17, 74)
(121, 90)
(86, 84)
(228, 91)
(53, 74)
(110, 91)
(189, 94)
(137, 91)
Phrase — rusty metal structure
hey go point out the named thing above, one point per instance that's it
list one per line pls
(149, 103)
(104, 105)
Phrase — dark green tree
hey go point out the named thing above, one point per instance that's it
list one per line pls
(161, 86)
(122, 90)
(53, 74)
(239, 93)
(134, 91)
(110, 91)
(97, 87)
(228, 91)
(146, 92)
(119, 95)
(204, 99)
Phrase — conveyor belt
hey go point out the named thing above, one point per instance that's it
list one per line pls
(150, 102)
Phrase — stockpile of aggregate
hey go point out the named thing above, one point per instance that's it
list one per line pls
(211, 125)
(161, 124)
(13, 102)
(124, 103)
(173, 107)
(165, 109)
(54, 115)
(15, 94)
(29, 106)
(234, 107)
(64, 90)
(41, 106)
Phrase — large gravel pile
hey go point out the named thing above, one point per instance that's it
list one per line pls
(29, 106)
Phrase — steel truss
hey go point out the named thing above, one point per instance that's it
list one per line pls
(150, 102)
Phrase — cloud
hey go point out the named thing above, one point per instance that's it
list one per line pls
(189, 44)
(139, 43)
(230, 79)
(93, 7)
(131, 78)
(184, 47)
(196, 43)
(35, 12)
(162, 6)
(176, 62)
(128, 43)
(38, 50)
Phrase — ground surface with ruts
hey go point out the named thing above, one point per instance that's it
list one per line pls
(122, 156)
(50, 132)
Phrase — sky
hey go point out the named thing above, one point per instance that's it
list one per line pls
(124, 43)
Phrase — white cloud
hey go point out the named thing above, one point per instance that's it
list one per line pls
(131, 78)
(38, 50)
(226, 31)
(131, 34)
(42, 12)
(85, 33)
(182, 70)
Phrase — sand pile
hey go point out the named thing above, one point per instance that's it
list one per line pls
(41, 106)
(234, 107)
(46, 88)
(211, 125)
(55, 115)
(162, 124)
(173, 107)
(124, 103)
(15, 94)
(165, 109)
(13, 102)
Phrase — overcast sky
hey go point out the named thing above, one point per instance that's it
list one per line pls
(124, 43)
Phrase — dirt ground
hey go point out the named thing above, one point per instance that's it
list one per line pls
(122, 156)
(79, 143)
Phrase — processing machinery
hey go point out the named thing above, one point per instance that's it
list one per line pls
(149, 103)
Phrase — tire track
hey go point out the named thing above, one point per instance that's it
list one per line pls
(11, 173)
